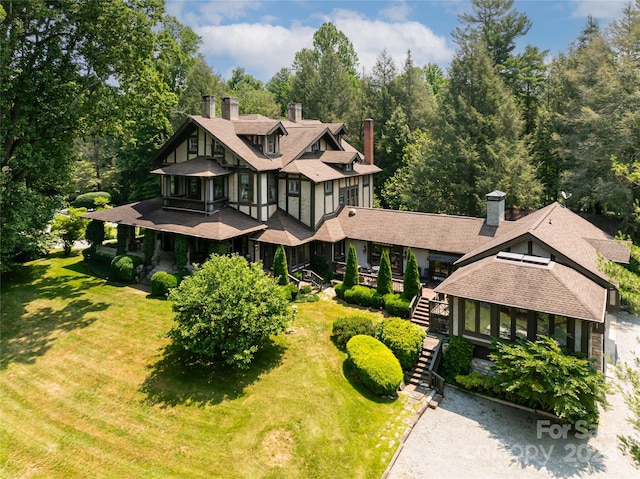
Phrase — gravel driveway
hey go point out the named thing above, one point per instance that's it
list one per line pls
(470, 437)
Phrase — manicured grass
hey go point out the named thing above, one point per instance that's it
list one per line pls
(88, 390)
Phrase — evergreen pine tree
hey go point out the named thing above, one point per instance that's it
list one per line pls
(351, 272)
(280, 268)
(385, 284)
(411, 276)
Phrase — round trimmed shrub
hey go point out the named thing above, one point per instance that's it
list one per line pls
(162, 282)
(87, 200)
(339, 289)
(306, 289)
(375, 365)
(403, 338)
(123, 267)
(347, 327)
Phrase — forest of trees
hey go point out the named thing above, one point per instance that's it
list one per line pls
(91, 89)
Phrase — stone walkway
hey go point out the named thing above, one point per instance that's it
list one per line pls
(471, 437)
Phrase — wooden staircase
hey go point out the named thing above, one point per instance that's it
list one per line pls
(420, 374)
(420, 313)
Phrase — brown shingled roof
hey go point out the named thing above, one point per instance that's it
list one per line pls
(452, 234)
(332, 157)
(553, 289)
(224, 131)
(284, 230)
(225, 224)
(258, 127)
(202, 167)
(565, 232)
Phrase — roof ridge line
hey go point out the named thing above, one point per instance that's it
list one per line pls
(539, 222)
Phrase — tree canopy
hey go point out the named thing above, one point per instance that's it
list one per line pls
(226, 311)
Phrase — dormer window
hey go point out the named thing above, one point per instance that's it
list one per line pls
(348, 167)
(193, 144)
(271, 145)
(316, 146)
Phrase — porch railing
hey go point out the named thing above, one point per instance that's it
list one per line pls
(435, 380)
(370, 279)
(293, 279)
(439, 314)
(414, 302)
(313, 278)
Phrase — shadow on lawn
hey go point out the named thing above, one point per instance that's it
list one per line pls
(173, 381)
(27, 334)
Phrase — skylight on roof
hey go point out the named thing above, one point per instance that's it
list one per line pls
(524, 258)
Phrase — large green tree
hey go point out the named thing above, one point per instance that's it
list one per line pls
(474, 148)
(596, 93)
(57, 60)
(227, 310)
(325, 78)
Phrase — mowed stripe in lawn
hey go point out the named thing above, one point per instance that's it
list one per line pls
(87, 391)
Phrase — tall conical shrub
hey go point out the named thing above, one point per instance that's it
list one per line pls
(411, 276)
(351, 272)
(280, 268)
(385, 283)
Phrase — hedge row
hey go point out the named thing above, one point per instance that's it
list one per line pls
(87, 200)
(395, 304)
(375, 365)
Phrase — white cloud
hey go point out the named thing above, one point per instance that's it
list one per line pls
(259, 48)
(209, 12)
(370, 37)
(605, 9)
(264, 48)
(398, 12)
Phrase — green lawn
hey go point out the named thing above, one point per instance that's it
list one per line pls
(86, 390)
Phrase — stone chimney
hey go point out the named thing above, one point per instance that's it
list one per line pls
(495, 208)
(230, 108)
(368, 141)
(294, 111)
(208, 106)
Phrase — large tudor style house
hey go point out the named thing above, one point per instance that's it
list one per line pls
(254, 183)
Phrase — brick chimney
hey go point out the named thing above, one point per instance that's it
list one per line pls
(230, 108)
(208, 106)
(495, 208)
(294, 111)
(368, 141)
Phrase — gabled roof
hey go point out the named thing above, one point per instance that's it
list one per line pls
(200, 166)
(553, 289)
(260, 127)
(225, 224)
(318, 171)
(284, 230)
(451, 234)
(301, 136)
(224, 131)
(565, 233)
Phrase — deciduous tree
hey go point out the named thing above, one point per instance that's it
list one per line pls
(227, 310)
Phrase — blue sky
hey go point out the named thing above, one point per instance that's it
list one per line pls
(263, 36)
